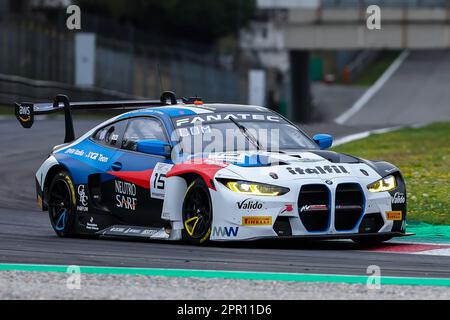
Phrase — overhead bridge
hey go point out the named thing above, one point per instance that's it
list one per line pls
(336, 24)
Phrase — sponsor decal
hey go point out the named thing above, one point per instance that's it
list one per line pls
(39, 201)
(138, 232)
(249, 204)
(314, 207)
(89, 155)
(318, 170)
(149, 232)
(82, 209)
(25, 113)
(132, 231)
(288, 208)
(165, 215)
(218, 117)
(75, 152)
(194, 131)
(83, 198)
(398, 198)
(72, 189)
(91, 225)
(256, 221)
(273, 175)
(394, 215)
(125, 195)
(158, 180)
(97, 157)
(223, 232)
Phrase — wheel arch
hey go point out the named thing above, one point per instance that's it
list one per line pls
(176, 188)
(52, 172)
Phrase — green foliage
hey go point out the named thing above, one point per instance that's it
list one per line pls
(376, 69)
(200, 20)
(423, 156)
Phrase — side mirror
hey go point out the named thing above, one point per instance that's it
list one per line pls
(154, 147)
(324, 141)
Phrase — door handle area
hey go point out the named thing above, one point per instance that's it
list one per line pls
(116, 166)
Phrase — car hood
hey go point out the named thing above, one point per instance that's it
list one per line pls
(269, 167)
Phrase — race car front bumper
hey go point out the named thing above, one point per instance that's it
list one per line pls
(312, 209)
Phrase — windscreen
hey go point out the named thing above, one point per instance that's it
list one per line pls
(224, 132)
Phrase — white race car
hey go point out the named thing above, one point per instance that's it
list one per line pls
(188, 170)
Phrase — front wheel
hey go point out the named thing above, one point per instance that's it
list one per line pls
(197, 213)
(61, 204)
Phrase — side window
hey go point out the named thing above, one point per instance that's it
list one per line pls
(142, 129)
(111, 135)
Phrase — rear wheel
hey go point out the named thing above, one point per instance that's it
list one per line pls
(61, 204)
(371, 240)
(197, 213)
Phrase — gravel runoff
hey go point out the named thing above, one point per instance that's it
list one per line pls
(33, 285)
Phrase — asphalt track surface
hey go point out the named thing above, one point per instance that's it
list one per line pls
(416, 93)
(26, 235)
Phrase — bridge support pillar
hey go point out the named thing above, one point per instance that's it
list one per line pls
(300, 106)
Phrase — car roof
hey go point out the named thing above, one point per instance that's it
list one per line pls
(180, 110)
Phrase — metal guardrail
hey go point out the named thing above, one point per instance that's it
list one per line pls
(15, 88)
(32, 49)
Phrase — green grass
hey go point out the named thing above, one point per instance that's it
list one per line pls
(6, 111)
(376, 69)
(423, 156)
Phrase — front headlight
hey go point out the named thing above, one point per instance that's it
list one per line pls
(386, 184)
(255, 189)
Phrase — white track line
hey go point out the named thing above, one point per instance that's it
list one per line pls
(436, 252)
(362, 135)
(365, 134)
(358, 105)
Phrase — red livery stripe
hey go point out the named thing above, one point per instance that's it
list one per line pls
(206, 169)
(139, 178)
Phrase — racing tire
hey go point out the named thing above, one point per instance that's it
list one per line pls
(61, 205)
(197, 213)
(372, 240)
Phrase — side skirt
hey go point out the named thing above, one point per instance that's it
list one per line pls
(136, 232)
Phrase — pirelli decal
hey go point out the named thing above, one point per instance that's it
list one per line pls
(256, 221)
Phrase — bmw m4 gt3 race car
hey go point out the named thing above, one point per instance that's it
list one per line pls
(183, 169)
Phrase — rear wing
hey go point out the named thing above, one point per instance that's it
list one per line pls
(25, 112)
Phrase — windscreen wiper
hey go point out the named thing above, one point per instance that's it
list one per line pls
(248, 135)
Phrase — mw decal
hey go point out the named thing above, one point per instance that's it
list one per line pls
(318, 170)
(225, 232)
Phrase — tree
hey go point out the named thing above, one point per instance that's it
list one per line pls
(202, 21)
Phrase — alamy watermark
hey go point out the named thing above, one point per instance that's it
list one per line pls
(374, 279)
(73, 281)
(73, 21)
(373, 21)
